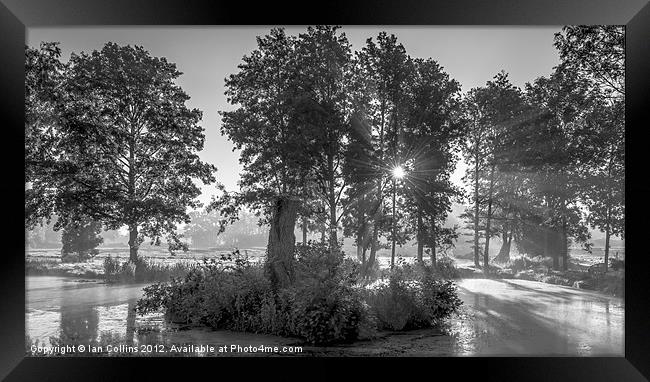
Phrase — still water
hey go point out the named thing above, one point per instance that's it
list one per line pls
(500, 317)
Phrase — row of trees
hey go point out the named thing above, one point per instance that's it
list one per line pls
(546, 162)
(321, 130)
(321, 127)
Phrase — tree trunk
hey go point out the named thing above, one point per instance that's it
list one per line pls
(393, 222)
(373, 247)
(334, 241)
(546, 229)
(375, 230)
(361, 229)
(281, 245)
(606, 247)
(133, 242)
(420, 236)
(509, 243)
(433, 242)
(565, 239)
(332, 202)
(608, 212)
(304, 231)
(504, 252)
(565, 248)
(364, 242)
(476, 210)
(360, 248)
(486, 254)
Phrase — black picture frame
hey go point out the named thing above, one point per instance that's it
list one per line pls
(17, 15)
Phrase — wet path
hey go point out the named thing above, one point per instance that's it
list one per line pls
(500, 317)
(505, 317)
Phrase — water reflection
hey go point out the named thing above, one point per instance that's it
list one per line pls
(78, 323)
(499, 318)
(130, 323)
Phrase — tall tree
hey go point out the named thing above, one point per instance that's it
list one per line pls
(596, 54)
(433, 131)
(475, 150)
(494, 109)
(546, 146)
(324, 86)
(266, 127)
(385, 67)
(127, 147)
(603, 170)
(360, 171)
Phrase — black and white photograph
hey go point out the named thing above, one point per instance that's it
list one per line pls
(325, 190)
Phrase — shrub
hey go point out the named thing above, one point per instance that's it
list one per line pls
(410, 298)
(233, 299)
(112, 268)
(446, 267)
(527, 274)
(325, 315)
(556, 280)
(616, 264)
(371, 272)
(316, 263)
(523, 263)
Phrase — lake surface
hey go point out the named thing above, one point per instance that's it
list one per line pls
(500, 317)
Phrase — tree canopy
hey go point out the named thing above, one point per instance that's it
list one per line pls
(126, 150)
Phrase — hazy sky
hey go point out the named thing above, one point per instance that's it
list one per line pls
(207, 55)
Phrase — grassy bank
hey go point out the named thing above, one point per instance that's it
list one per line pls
(52, 267)
(111, 269)
(578, 275)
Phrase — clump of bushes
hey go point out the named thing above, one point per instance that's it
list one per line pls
(316, 263)
(412, 297)
(328, 315)
(556, 280)
(523, 263)
(324, 305)
(616, 264)
(231, 293)
(446, 268)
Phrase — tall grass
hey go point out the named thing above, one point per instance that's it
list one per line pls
(143, 270)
